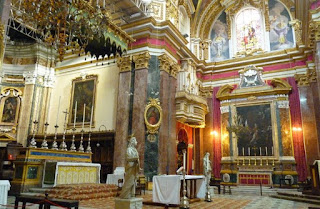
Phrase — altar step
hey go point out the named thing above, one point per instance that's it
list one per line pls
(255, 190)
(312, 199)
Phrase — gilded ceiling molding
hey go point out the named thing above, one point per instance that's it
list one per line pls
(306, 79)
(165, 63)
(141, 60)
(124, 63)
(187, 6)
(172, 13)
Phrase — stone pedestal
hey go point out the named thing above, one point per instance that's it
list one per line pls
(133, 203)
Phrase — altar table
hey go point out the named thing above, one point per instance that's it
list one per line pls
(113, 178)
(166, 188)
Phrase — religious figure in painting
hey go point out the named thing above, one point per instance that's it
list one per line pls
(207, 166)
(9, 110)
(132, 170)
(219, 43)
(249, 37)
(153, 115)
(279, 28)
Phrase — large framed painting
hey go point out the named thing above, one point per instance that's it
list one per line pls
(82, 95)
(10, 110)
(255, 136)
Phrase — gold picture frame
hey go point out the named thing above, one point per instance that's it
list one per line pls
(10, 106)
(83, 92)
(153, 116)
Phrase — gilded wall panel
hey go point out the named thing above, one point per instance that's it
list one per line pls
(285, 132)
(225, 135)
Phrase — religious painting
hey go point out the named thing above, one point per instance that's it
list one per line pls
(249, 30)
(254, 130)
(153, 115)
(219, 49)
(82, 100)
(10, 110)
(281, 33)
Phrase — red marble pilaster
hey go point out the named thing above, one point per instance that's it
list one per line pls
(122, 120)
(207, 135)
(172, 146)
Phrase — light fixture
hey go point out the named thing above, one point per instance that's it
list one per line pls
(72, 24)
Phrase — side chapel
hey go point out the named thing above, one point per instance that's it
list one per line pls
(238, 79)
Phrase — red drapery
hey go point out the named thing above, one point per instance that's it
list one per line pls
(217, 138)
(297, 136)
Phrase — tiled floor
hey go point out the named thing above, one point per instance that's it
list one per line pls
(235, 201)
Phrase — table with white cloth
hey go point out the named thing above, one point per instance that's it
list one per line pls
(113, 178)
(4, 188)
(167, 188)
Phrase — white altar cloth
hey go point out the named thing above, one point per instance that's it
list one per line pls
(113, 178)
(166, 188)
(4, 188)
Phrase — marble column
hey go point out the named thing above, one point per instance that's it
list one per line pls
(165, 66)
(139, 101)
(309, 125)
(172, 146)
(27, 104)
(122, 119)
(208, 135)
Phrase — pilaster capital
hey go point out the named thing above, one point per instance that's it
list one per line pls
(224, 109)
(283, 104)
(49, 80)
(142, 60)
(30, 77)
(124, 63)
(307, 78)
(175, 69)
(165, 62)
(296, 24)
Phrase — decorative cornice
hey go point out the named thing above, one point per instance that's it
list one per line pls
(124, 63)
(165, 63)
(306, 79)
(206, 92)
(189, 7)
(30, 77)
(141, 60)
(296, 24)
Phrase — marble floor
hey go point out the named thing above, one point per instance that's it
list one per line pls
(241, 198)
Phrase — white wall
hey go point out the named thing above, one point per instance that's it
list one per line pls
(106, 96)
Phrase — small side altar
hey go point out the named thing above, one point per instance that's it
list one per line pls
(30, 164)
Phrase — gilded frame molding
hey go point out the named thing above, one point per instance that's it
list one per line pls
(93, 102)
(10, 92)
(153, 126)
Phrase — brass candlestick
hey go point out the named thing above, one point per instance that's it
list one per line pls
(44, 144)
(88, 150)
(73, 146)
(81, 149)
(54, 143)
(33, 143)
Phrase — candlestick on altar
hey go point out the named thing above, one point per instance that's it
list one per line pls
(249, 151)
(255, 160)
(81, 149)
(267, 163)
(249, 162)
(184, 202)
(260, 151)
(243, 161)
(242, 151)
(266, 151)
(44, 144)
(184, 159)
(88, 150)
(73, 146)
(33, 143)
(54, 143)
(63, 145)
(260, 161)
(272, 162)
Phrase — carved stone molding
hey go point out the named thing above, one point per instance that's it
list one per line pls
(283, 104)
(174, 70)
(1, 42)
(314, 33)
(172, 13)
(206, 92)
(142, 60)
(188, 8)
(306, 79)
(124, 63)
(30, 77)
(224, 109)
(165, 63)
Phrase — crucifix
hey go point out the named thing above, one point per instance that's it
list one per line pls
(63, 145)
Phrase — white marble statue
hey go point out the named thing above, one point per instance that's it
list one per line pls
(132, 170)
(207, 166)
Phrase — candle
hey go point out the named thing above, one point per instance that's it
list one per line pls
(184, 159)
(260, 151)
(75, 116)
(272, 151)
(84, 115)
(242, 151)
(249, 151)
(48, 100)
(266, 151)
(58, 111)
(91, 117)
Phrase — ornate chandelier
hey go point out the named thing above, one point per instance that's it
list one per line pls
(78, 24)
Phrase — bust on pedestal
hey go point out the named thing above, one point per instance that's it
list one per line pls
(127, 198)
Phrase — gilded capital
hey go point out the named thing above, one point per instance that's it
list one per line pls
(165, 63)
(175, 69)
(142, 60)
(306, 79)
(124, 63)
(296, 24)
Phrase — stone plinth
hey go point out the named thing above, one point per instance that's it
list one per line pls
(133, 203)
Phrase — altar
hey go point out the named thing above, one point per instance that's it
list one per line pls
(167, 188)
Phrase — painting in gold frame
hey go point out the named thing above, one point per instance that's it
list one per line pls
(9, 110)
(153, 115)
(83, 92)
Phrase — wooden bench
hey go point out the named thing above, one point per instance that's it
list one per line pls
(45, 201)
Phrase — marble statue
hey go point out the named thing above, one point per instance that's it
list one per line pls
(132, 170)
(207, 166)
